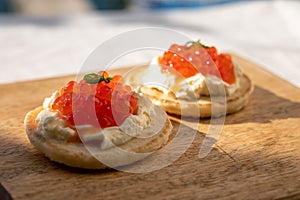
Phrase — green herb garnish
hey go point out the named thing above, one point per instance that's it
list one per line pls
(198, 43)
(108, 79)
(94, 78)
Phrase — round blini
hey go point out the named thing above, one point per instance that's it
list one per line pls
(76, 155)
(234, 103)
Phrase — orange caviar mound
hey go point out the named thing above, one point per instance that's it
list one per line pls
(188, 60)
(97, 100)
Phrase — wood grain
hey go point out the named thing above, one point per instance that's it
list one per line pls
(256, 157)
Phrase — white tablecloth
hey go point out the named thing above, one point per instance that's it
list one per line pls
(266, 32)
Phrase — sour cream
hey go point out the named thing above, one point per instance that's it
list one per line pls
(175, 85)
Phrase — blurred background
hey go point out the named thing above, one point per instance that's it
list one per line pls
(47, 38)
(52, 7)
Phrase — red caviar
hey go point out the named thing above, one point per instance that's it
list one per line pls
(189, 60)
(101, 103)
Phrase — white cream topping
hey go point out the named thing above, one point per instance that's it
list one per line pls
(50, 125)
(186, 88)
(146, 123)
(48, 102)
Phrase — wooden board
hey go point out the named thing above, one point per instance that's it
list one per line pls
(256, 157)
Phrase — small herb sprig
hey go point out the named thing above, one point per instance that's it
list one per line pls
(94, 78)
(198, 43)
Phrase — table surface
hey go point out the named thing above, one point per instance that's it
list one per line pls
(266, 32)
(256, 157)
